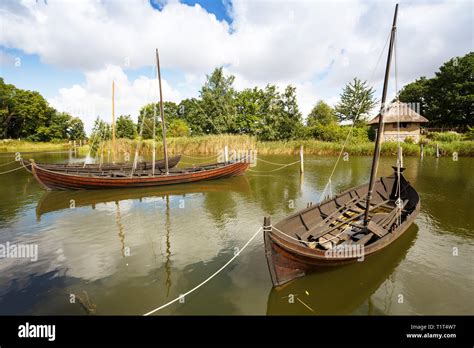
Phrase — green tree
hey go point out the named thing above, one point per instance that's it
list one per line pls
(23, 112)
(192, 112)
(76, 129)
(321, 113)
(357, 100)
(151, 110)
(250, 110)
(451, 93)
(125, 128)
(416, 92)
(217, 97)
(289, 123)
(178, 128)
(447, 98)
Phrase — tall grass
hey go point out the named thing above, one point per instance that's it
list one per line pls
(211, 144)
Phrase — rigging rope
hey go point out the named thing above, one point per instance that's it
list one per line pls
(135, 159)
(400, 154)
(207, 279)
(355, 119)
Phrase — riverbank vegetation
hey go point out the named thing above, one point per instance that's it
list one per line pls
(212, 144)
(267, 119)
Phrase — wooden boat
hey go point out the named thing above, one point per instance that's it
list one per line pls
(326, 292)
(333, 232)
(97, 168)
(56, 180)
(137, 177)
(353, 225)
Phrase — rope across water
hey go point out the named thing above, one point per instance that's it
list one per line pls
(207, 279)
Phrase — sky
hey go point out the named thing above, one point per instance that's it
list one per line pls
(71, 51)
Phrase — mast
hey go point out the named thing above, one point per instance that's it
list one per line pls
(375, 161)
(163, 125)
(113, 121)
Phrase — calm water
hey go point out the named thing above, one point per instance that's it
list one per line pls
(134, 250)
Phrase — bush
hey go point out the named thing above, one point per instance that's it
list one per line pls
(445, 136)
(470, 133)
(409, 140)
(337, 133)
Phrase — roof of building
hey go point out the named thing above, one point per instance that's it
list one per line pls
(401, 112)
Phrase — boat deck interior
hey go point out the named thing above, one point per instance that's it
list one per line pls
(339, 221)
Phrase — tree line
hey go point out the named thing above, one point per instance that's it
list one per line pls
(267, 113)
(27, 115)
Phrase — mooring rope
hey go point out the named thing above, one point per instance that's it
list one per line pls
(194, 157)
(208, 279)
(6, 164)
(273, 170)
(12, 170)
(274, 163)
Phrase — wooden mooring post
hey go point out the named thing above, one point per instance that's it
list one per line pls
(421, 150)
(301, 159)
(226, 154)
(437, 151)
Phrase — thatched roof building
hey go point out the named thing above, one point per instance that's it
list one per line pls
(409, 119)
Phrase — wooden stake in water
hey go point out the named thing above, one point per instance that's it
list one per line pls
(301, 160)
(437, 150)
(400, 156)
(226, 154)
(421, 150)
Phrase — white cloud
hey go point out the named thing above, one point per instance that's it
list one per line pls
(316, 46)
(94, 98)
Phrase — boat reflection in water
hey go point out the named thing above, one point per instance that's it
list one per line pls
(341, 290)
(53, 201)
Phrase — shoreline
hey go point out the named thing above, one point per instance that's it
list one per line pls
(208, 145)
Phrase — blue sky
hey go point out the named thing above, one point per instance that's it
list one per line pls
(315, 46)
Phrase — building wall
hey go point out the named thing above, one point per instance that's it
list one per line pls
(411, 130)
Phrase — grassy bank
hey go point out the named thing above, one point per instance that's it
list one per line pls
(208, 145)
(28, 146)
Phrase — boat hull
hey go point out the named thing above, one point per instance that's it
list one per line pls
(288, 260)
(53, 180)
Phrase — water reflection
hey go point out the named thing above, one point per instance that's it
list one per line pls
(53, 201)
(343, 289)
(133, 250)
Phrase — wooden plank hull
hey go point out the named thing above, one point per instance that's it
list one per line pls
(288, 258)
(95, 168)
(53, 180)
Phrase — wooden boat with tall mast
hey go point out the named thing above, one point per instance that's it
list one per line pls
(353, 225)
(138, 177)
(82, 167)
